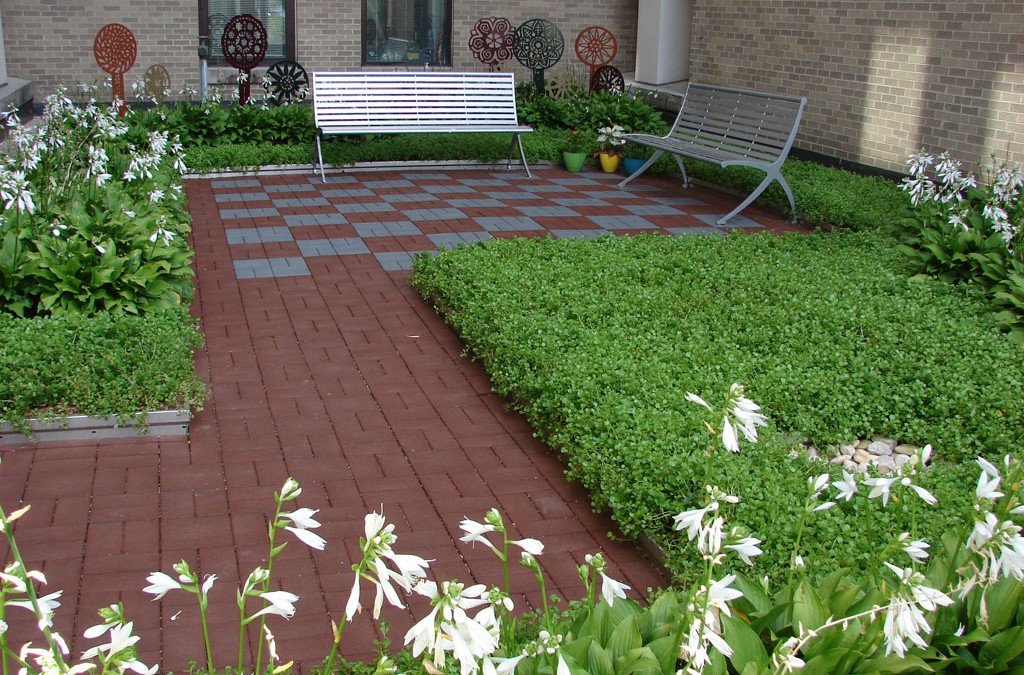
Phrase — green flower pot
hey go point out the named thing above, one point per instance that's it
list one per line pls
(574, 161)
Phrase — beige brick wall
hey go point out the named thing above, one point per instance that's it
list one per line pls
(50, 41)
(883, 78)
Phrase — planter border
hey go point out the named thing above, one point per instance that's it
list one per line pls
(89, 427)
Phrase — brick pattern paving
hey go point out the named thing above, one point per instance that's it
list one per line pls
(323, 364)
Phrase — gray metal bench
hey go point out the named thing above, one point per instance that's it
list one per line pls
(367, 102)
(730, 127)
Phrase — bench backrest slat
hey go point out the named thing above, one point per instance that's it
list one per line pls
(413, 99)
(755, 124)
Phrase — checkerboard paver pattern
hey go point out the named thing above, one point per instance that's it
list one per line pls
(417, 211)
(324, 364)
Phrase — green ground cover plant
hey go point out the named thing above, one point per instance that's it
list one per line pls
(218, 137)
(95, 267)
(596, 341)
(111, 363)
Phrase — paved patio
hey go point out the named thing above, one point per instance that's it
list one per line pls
(323, 364)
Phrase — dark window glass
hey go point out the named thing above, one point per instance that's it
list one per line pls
(407, 32)
(277, 16)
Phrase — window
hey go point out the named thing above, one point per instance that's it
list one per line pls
(277, 16)
(407, 32)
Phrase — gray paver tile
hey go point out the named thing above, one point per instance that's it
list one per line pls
(689, 231)
(341, 246)
(678, 201)
(544, 187)
(300, 202)
(453, 239)
(434, 214)
(737, 221)
(447, 189)
(512, 195)
(546, 211)
(400, 228)
(580, 201)
(258, 235)
(409, 197)
(508, 223)
(484, 182)
(578, 180)
(271, 267)
(577, 234)
(225, 197)
(290, 187)
(220, 183)
(653, 210)
(364, 207)
(396, 261)
(334, 180)
(427, 176)
(347, 192)
(267, 212)
(476, 203)
(622, 222)
(609, 193)
(374, 184)
(302, 219)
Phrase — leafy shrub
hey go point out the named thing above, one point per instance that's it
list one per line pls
(93, 218)
(963, 233)
(210, 122)
(588, 112)
(596, 341)
(108, 364)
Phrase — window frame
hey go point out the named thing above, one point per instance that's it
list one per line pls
(446, 48)
(215, 59)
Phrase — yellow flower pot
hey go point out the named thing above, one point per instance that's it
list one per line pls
(609, 162)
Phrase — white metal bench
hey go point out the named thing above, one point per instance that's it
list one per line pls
(368, 102)
(730, 127)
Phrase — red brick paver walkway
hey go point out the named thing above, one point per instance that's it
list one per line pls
(340, 375)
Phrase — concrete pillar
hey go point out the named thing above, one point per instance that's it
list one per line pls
(3, 56)
(663, 41)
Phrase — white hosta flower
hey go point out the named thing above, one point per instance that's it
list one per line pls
(904, 618)
(47, 604)
(121, 638)
(532, 546)
(745, 412)
(161, 584)
(880, 487)
(281, 603)
(847, 486)
(477, 532)
(746, 548)
(610, 588)
(302, 522)
(377, 551)
(693, 520)
(917, 549)
(449, 628)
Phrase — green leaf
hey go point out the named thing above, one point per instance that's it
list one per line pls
(600, 661)
(745, 643)
(1002, 648)
(894, 664)
(1003, 600)
(624, 638)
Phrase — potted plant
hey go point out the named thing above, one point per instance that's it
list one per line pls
(574, 155)
(609, 140)
(635, 157)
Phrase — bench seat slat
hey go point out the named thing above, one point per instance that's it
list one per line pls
(726, 126)
(368, 102)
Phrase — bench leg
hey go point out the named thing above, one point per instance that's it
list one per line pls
(518, 140)
(320, 159)
(769, 177)
(643, 168)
